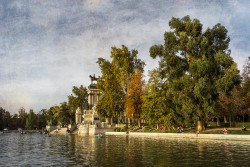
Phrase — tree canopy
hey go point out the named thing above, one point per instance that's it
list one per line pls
(79, 98)
(115, 79)
(195, 66)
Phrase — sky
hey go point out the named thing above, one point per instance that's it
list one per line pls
(49, 46)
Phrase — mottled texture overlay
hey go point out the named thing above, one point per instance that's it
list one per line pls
(49, 46)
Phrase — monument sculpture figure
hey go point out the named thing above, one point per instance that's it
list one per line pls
(93, 78)
(89, 120)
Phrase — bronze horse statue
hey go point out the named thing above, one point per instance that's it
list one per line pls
(93, 78)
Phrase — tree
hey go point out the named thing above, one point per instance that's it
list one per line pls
(196, 66)
(2, 118)
(6, 119)
(133, 100)
(22, 117)
(31, 120)
(60, 114)
(65, 116)
(232, 104)
(246, 71)
(52, 115)
(114, 80)
(42, 119)
(111, 102)
(157, 107)
(246, 86)
(79, 98)
(14, 122)
(152, 110)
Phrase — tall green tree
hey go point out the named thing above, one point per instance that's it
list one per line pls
(196, 66)
(31, 120)
(114, 80)
(22, 117)
(157, 108)
(52, 115)
(42, 119)
(79, 98)
(65, 116)
(60, 115)
(3, 120)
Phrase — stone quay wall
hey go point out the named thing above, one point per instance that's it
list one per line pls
(185, 135)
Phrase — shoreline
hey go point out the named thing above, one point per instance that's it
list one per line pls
(184, 135)
(232, 137)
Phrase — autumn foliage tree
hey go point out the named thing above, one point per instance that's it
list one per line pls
(246, 86)
(232, 104)
(237, 101)
(133, 100)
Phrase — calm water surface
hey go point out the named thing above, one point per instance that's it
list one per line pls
(60, 150)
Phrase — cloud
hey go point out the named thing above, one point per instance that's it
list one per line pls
(93, 2)
(10, 98)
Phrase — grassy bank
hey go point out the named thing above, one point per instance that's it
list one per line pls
(211, 129)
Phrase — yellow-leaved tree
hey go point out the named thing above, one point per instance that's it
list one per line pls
(133, 99)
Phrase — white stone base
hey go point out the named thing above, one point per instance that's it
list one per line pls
(87, 129)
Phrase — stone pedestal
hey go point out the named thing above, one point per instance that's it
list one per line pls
(83, 129)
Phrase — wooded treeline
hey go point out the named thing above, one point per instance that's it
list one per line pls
(62, 114)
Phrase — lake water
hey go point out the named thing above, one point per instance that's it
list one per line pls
(115, 151)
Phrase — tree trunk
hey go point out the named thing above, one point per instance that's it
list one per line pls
(233, 122)
(188, 57)
(200, 126)
(129, 121)
(139, 123)
(218, 121)
(126, 121)
(225, 119)
(243, 120)
(230, 121)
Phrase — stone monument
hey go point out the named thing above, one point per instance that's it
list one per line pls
(90, 119)
(90, 116)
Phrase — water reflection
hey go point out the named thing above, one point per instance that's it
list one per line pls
(59, 150)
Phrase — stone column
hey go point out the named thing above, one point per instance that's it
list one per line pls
(78, 116)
